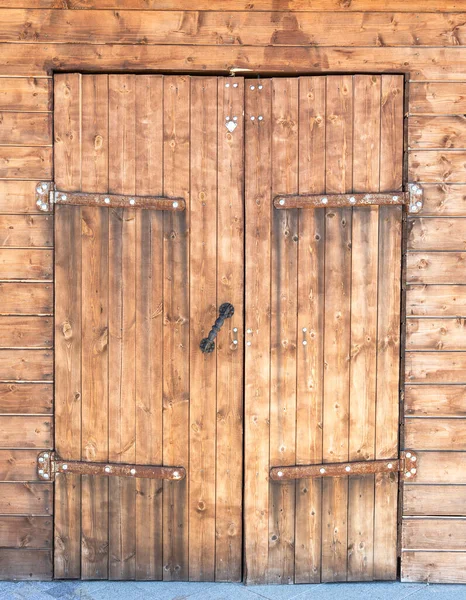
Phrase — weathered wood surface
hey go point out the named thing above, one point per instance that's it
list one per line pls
(435, 334)
(26, 298)
(436, 267)
(435, 400)
(438, 500)
(420, 63)
(26, 332)
(18, 197)
(434, 534)
(26, 431)
(437, 132)
(437, 234)
(18, 465)
(435, 367)
(441, 468)
(350, 29)
(112, 315)
(353, 546)
(26, 231)
(433, 567)
(435, 434)
(437, 98)
(436, 301)
(33, 499)
(444, 200)
(25, 94)
(24, 563)
(26, 532)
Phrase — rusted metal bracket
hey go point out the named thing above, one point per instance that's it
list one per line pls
(47, 196)
(48, 465)
(413, 199)
(406, 465)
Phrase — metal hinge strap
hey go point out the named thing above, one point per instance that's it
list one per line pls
(406, 465)
(413, 198)
(49, 465)
(47, 196)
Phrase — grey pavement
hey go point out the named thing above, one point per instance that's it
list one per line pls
(106, 590)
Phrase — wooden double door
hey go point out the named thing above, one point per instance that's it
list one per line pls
(305, 372)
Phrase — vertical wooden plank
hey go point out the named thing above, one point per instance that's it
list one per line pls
(311, 265)
(203, 312)
(94, 236)
(149, 314)
(339, 134)
(230, 288)
(363, 368)
(122, 316)
(388, 335)
(67, 153)
(258, 173)
(176, 324)
(67, 542)
(67, 131)
(283, 328)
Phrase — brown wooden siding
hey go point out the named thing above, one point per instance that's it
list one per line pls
(297, 37)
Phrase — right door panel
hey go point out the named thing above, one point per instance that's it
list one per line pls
(322, 326)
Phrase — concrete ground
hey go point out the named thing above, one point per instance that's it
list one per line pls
(106, 590)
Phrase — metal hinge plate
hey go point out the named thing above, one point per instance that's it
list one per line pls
(49, 465)
(47, 196)
(413, 198)
(406, 465)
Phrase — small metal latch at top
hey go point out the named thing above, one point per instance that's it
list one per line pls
(49, 465)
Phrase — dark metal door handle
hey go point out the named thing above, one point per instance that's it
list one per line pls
(226, 311)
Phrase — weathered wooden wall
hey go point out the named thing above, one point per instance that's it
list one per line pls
(423, 39)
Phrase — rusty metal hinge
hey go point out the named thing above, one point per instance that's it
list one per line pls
(413, 199)
(406, 465)
(49, 465)
(47, 196)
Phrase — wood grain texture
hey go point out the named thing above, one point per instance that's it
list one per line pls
(437, 234)
(18, 197)
(27, 564)
(25, 129)
(437, 132)
(435, 434)
(437, 166)
(26, 532)
(34, 499)
(435, 367)
(441, 500)
(434, 534)
(25, 162)
(25, 94)
(421, 63)
(439, 98)
(18, 465)
(26, 264)
(433, 567)
(26, 298)
(436, 300)
(436, 267)
(444, 199)
(26, 332)
(28, 231)
(435, 334)
(440, 468)
(349, 29)
(435, 400)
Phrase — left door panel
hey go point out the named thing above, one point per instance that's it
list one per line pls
(135, 292)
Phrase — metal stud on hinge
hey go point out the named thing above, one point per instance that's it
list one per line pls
(44, 195)
(416, 197)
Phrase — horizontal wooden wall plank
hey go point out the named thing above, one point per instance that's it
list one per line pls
(26, 532)
(26, 431)
(435, 500)
(26, 298)
(420, 63)
(24, 563)
(436, 267)
(433, 567)
(18, 197)
(222, 27)
(433, 534)
(436, 300)
(258, 5)
(26, 398)
(437, 132)
(35, 499)
(444, 199)
(26, 231)
(435, 434)
(435, 367)
(25, 94)
(26, 365)
(434, 334)
(25, 128)
(437, 98)
(436, 234)
(26, 264)
(441, 468)
(435, 401)
(18, 465)
(26, 332)
(435, 166)
(25, 162)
